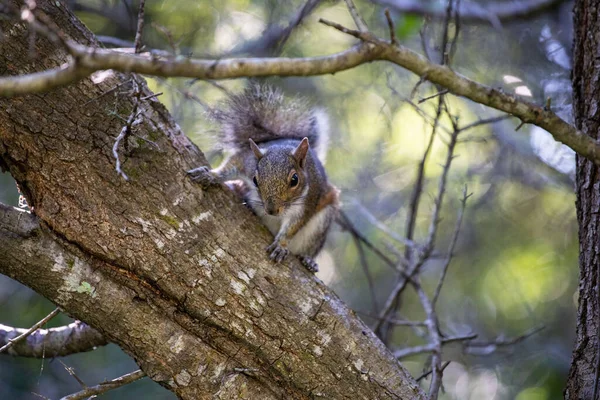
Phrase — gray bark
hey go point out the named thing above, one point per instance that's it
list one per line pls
(586, 106)
(176, 276)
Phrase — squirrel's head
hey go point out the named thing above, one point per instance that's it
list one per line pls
(281, 178)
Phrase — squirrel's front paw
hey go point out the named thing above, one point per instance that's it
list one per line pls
(203, 176)
(309, 263)
(278, 252)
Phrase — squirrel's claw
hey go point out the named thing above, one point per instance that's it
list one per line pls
(309, 263)
(278, 252)
(203, 176)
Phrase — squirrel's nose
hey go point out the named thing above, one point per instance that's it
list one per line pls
(273, 209)
(270, 208)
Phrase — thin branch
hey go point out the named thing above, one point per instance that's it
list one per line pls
(427, 348)
(411, 351)
(358, 20)
(487, 347)
(424, 99)
(140, 27)
(484, 122)
(451, 247)
(391, 27)
(383, 228)
(395, 321)
(426, 374)
(346, 224)
(35, 327)
(71, 372)
(435, 340)
(272, 40)
(365, 266)
(106, 386)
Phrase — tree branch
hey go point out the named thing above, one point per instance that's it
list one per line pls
(89, 60)
(174, 274)
(28, 332)
(76, 337)
(106, 386)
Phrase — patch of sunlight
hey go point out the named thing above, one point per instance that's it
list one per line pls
(319, 39)
(533, 393)
(557, 200)
(409, 137)
(327, 269)
(523, 91)
(362, 129)
(553, 153)
(238, 27)
(474, 385)
(524, 278)
(511, 79)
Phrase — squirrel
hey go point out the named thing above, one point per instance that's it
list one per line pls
(277, 146)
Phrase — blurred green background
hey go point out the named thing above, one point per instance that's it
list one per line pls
(515, 264)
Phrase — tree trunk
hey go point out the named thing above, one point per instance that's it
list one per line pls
(586, 106)
(176, 276)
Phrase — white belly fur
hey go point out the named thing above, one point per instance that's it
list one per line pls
(304, 238)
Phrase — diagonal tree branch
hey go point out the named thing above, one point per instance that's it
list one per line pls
(74, 338)
(174, 274)
(88, 60)
(93, 391)
(11, 342)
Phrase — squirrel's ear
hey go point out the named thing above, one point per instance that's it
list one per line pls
(257, 152)
(300, 152)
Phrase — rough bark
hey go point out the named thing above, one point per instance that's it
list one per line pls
(586, 101)
(176, 276)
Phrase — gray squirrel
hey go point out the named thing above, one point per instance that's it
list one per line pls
(277, 145)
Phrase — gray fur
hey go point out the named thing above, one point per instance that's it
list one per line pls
(264, 114)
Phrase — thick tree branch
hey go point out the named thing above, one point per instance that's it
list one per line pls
(54, 342)
(88, 60)
(175, 275)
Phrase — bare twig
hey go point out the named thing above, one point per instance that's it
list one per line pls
(71, 372)
(382, 227)
(435, 340)
(489, 346)
(426, 374)
(391, 27)
(35, 327)
(452, 245)
(346, 224)
(424, 99)
(140, 27)
(428, 348)
(358, 20)
(104, 387)
(484, 122)
(365, 265)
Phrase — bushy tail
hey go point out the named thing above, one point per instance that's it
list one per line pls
(262, 113)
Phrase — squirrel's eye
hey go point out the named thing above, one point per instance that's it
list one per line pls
(255, 181)
(294, 180)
